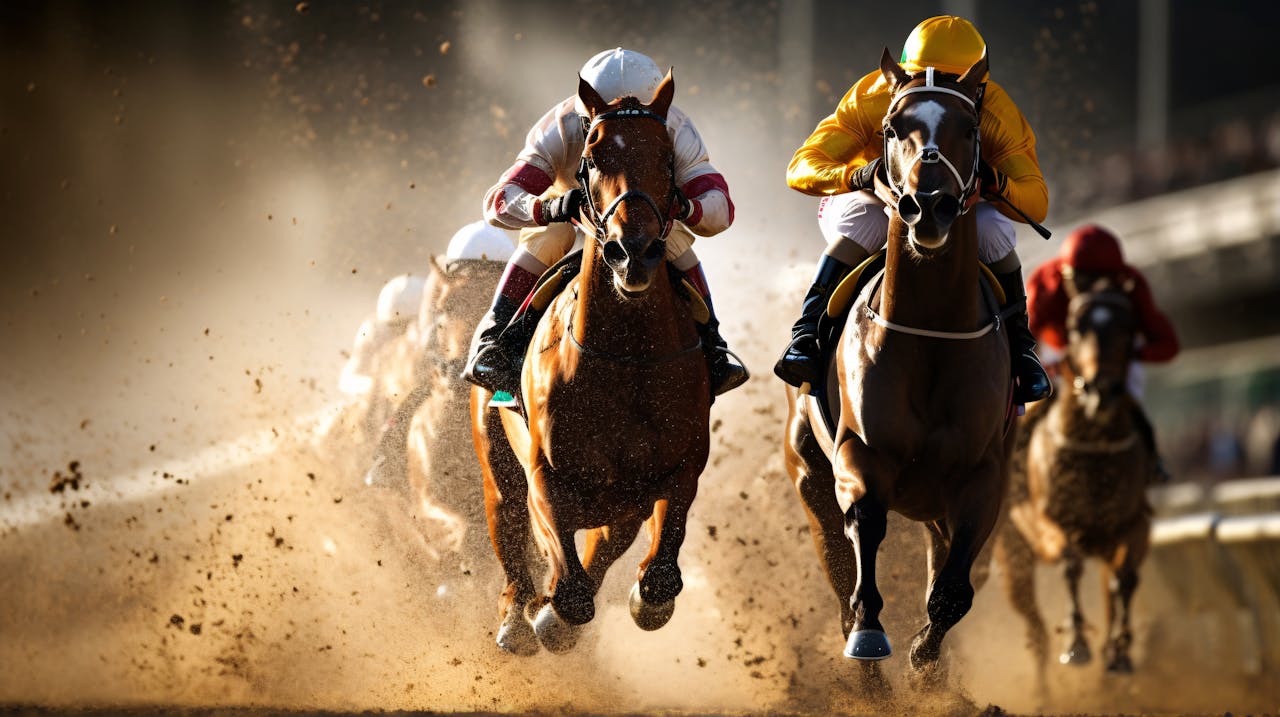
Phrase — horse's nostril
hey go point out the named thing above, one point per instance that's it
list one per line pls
(614, 253)
(946, 209)
(655, 250)
(909, 209)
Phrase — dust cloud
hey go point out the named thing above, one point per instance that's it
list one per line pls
(202, 206)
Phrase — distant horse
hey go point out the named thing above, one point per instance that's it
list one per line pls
(1079, 480)
(922, 389)
(435, 417)
(617, 398)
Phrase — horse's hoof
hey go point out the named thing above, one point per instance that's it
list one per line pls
(516, 635)
(1077, 654)
(646, 616)
(867, 645)
(553, 632)
(1120, 665)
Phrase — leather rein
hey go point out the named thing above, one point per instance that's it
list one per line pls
(596, 220)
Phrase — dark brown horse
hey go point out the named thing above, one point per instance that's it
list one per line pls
(616, 393)
(923, 379)
(1079, 480)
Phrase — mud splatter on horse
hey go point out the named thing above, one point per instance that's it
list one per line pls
(617, 399)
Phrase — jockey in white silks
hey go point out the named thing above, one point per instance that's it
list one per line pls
(539, 195)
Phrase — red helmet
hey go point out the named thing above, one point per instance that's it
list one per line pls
(1093, 249)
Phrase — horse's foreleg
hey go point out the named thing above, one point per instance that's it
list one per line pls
(865, 525)
(659, 574)
(507, 512)
(1077, 652)
(1120, 585)
(858, 475)
(970, 518)
(570, 590)
(605, 545)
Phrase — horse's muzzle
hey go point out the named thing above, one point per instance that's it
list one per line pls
(940, 207)
(634, 262)
(929, 216)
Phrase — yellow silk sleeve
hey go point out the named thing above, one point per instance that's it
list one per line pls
(842, 142)
(1009, 145)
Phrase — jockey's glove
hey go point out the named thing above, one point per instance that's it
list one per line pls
(681, 206)
(864, 177)
(993, 180)
(562, 208)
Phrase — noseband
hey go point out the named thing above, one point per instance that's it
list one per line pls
(1081, 302)
(930, 153)
(599, 219)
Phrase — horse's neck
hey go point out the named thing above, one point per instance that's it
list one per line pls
(604, 321)
(941, 294)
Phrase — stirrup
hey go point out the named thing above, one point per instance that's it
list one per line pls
(732, 373)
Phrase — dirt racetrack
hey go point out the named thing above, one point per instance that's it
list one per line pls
(200, 206)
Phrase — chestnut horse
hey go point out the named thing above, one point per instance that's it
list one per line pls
(1079, 479)
(923, 382)
(617, 398)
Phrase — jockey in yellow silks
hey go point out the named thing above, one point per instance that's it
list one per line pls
(840, 159)
(539, 196)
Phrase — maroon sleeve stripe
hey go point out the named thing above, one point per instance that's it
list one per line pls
(704, 183)
(528, 177)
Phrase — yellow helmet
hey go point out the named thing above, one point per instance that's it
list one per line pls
(949, 43)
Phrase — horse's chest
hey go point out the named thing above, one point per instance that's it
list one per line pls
(935, 417)
(1091, 496)
(636, 430)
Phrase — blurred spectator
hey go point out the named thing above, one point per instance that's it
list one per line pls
(1232, 147)
(1226, 451)
(1260, 441)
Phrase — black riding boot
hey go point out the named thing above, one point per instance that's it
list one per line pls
(1031, 383)
(492, 366)
(801, 361)
(1148, 435)
(725, 373)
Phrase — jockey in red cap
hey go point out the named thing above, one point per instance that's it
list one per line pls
(1088, 254)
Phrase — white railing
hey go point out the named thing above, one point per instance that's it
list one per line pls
(1216, 550)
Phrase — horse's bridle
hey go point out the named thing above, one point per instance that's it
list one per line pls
(1114, 298)
(598, 219)
(930, 153)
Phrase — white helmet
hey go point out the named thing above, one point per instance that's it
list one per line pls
(621, 73)
(356, 378)
(400, 299)
(480, 240)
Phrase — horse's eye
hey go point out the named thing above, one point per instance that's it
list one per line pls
(889, 133)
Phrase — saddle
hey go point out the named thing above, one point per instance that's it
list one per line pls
(519, 332)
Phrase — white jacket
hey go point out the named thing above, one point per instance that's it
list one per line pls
(553, 149)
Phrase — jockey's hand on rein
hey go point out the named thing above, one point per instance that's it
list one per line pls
(681, 206)
(992, 180)
(562, 208)
(864, 177)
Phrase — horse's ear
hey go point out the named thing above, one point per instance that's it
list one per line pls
(662, 97)
(974, 78)
(892, 71)
(591, 99)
